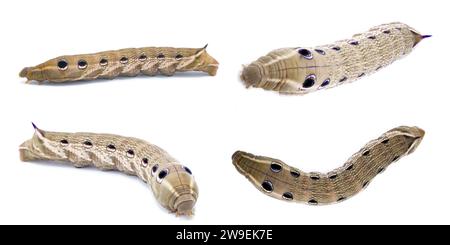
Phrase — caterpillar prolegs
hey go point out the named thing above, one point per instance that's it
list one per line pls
(304, 70)
(279, 180)
(125, 62)
(172, 183)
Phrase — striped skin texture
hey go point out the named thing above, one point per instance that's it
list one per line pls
(279, 180)
(304, 70)
(172, 184)
(125, 62)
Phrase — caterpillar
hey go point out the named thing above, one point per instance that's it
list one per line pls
(124, 62)
(279, 180)
(304, 70)
(172, 183)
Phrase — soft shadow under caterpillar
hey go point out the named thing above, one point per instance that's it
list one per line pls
(304, 70)
(125, 62)
(172, 184)
(279, 180)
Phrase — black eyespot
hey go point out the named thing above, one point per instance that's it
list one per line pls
(340, 199)
(162, 174)
(314, 177)
(154, 169)
(320, 51)
(366, 153)
(387, 32)
(123, 60)
(178, 57)
(312, 202)
(361, 75)
(395, 158)
(62, 65)
(295, 173)
(87, 143)
(144, 162)
(385, 141)
(267, 186)
(130, 153)
(333, 176)
(187, 170)
(111, 147)
(275, 167)
(343, 80)
(365, 184)
(325, 83)
(305, 53)
(103, 62)
(372, 37)
(288, 196)
(349, 167)
(381, 170)
(142, 57)
(64, 142)
(336, 48)
(309, 81)
(160, 56)
(353, 42)
(82, 64)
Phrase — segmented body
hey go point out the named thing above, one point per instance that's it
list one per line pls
(303, 70)
(279, 180)
(172, 183)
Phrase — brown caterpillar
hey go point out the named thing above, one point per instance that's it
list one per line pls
(304, 70)
(125, 62)
(172, 184)
(279, 180)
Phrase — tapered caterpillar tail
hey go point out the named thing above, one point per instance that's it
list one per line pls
(172, 183)
(279, 180)
(125, 62)
(303, 70)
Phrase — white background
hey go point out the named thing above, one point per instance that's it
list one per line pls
(202, 120)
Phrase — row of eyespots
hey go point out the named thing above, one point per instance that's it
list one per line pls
(83, 64)
(355, 42)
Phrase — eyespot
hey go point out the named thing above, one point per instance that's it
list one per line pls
(361, 75)
(336, 48)
(353, 42)
(381, 170)
(365, 184)
(64, 142)
(295, 173)
(187, 170)
(320, 51)
(314, 177)
(82, 64)
(349, 167)
(378, 68)
(162, 174)
(111, 148)
(144, 162)
(275, 167)
(160, 56)
(267, 186)
(123, 60)
(178, 57)
(288, 196)
(309, 81)
(142, 57)
(372, 37)
(154, 169)
(130, 153)
(340, 199)
(332, 176)
(324, 83)
(385, 141)
(87, 144)
(62, 65)
(343, 80)
(387, 32)
(305, 53)
(312, 202)
(395, 158)
(366, 153)
(103, 62)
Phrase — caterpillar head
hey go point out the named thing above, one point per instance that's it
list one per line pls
(252, 75)
(200, 60)
(175, 188)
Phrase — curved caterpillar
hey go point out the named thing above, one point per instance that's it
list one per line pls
(172, 184)
(304, 70)
(124, 62)
(279, 180)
